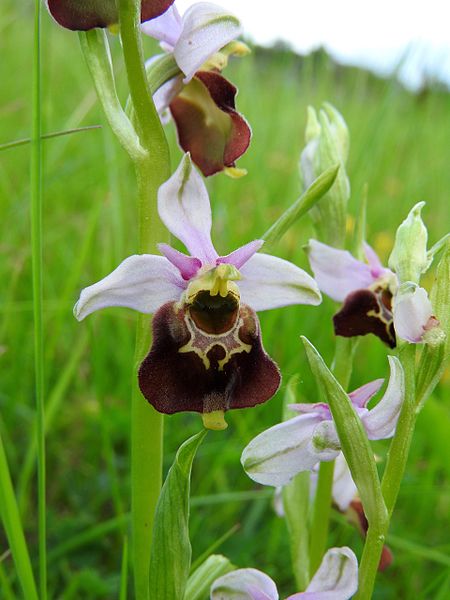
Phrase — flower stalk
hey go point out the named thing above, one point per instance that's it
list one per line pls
(152, 169)
(393, 475)
(37, 260)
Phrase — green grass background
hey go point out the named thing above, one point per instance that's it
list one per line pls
(399, 147)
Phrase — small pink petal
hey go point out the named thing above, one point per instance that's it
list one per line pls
(187, 265)
(239, 257)
(374, 262)
(361, 396)
(320, 408)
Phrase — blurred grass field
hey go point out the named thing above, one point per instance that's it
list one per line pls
(399, 147)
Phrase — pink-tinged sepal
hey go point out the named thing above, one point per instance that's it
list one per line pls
(248, 584)
(208, 125)
(207, 357)
(335, 579)
(338, 273)
(367, 311)
(89, 14)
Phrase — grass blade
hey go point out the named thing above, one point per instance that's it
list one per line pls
(10, 517)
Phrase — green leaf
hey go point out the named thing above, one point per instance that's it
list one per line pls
(307, 200)
(10, 517)
(352, 437)
(171, 548)
(204, 576)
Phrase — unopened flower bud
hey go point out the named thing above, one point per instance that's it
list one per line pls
(327, 143)
(409, 255)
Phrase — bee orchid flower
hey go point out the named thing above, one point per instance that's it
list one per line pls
(201, 101)
(207, 355)
(335, 579)
(373, 300)
(276, 455)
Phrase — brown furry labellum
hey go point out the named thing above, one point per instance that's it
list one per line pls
(207, 356)
(367, 311)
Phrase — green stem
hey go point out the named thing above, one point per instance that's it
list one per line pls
(296, 506)
(146, 424)
(401, 443)
(393, 474)
(36, 246)
(321, 515)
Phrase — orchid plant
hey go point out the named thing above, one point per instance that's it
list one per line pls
(202, 351)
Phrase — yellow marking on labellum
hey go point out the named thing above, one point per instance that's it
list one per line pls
(114, 28)
(214, 420)
(201, 343)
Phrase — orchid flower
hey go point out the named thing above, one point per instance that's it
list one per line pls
(88, 14)
(335, 579)
(374, 302)
(207, 355)
(345, 498)
(276, 455)
(202, 101)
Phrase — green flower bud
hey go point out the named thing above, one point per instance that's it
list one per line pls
(409, 256)
(201, 580)
(327, 144)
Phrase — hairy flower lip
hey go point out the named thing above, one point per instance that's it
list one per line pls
(373, 300)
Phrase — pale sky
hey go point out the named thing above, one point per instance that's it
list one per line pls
(378, 34)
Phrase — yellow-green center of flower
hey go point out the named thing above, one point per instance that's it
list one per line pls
(218, 281)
